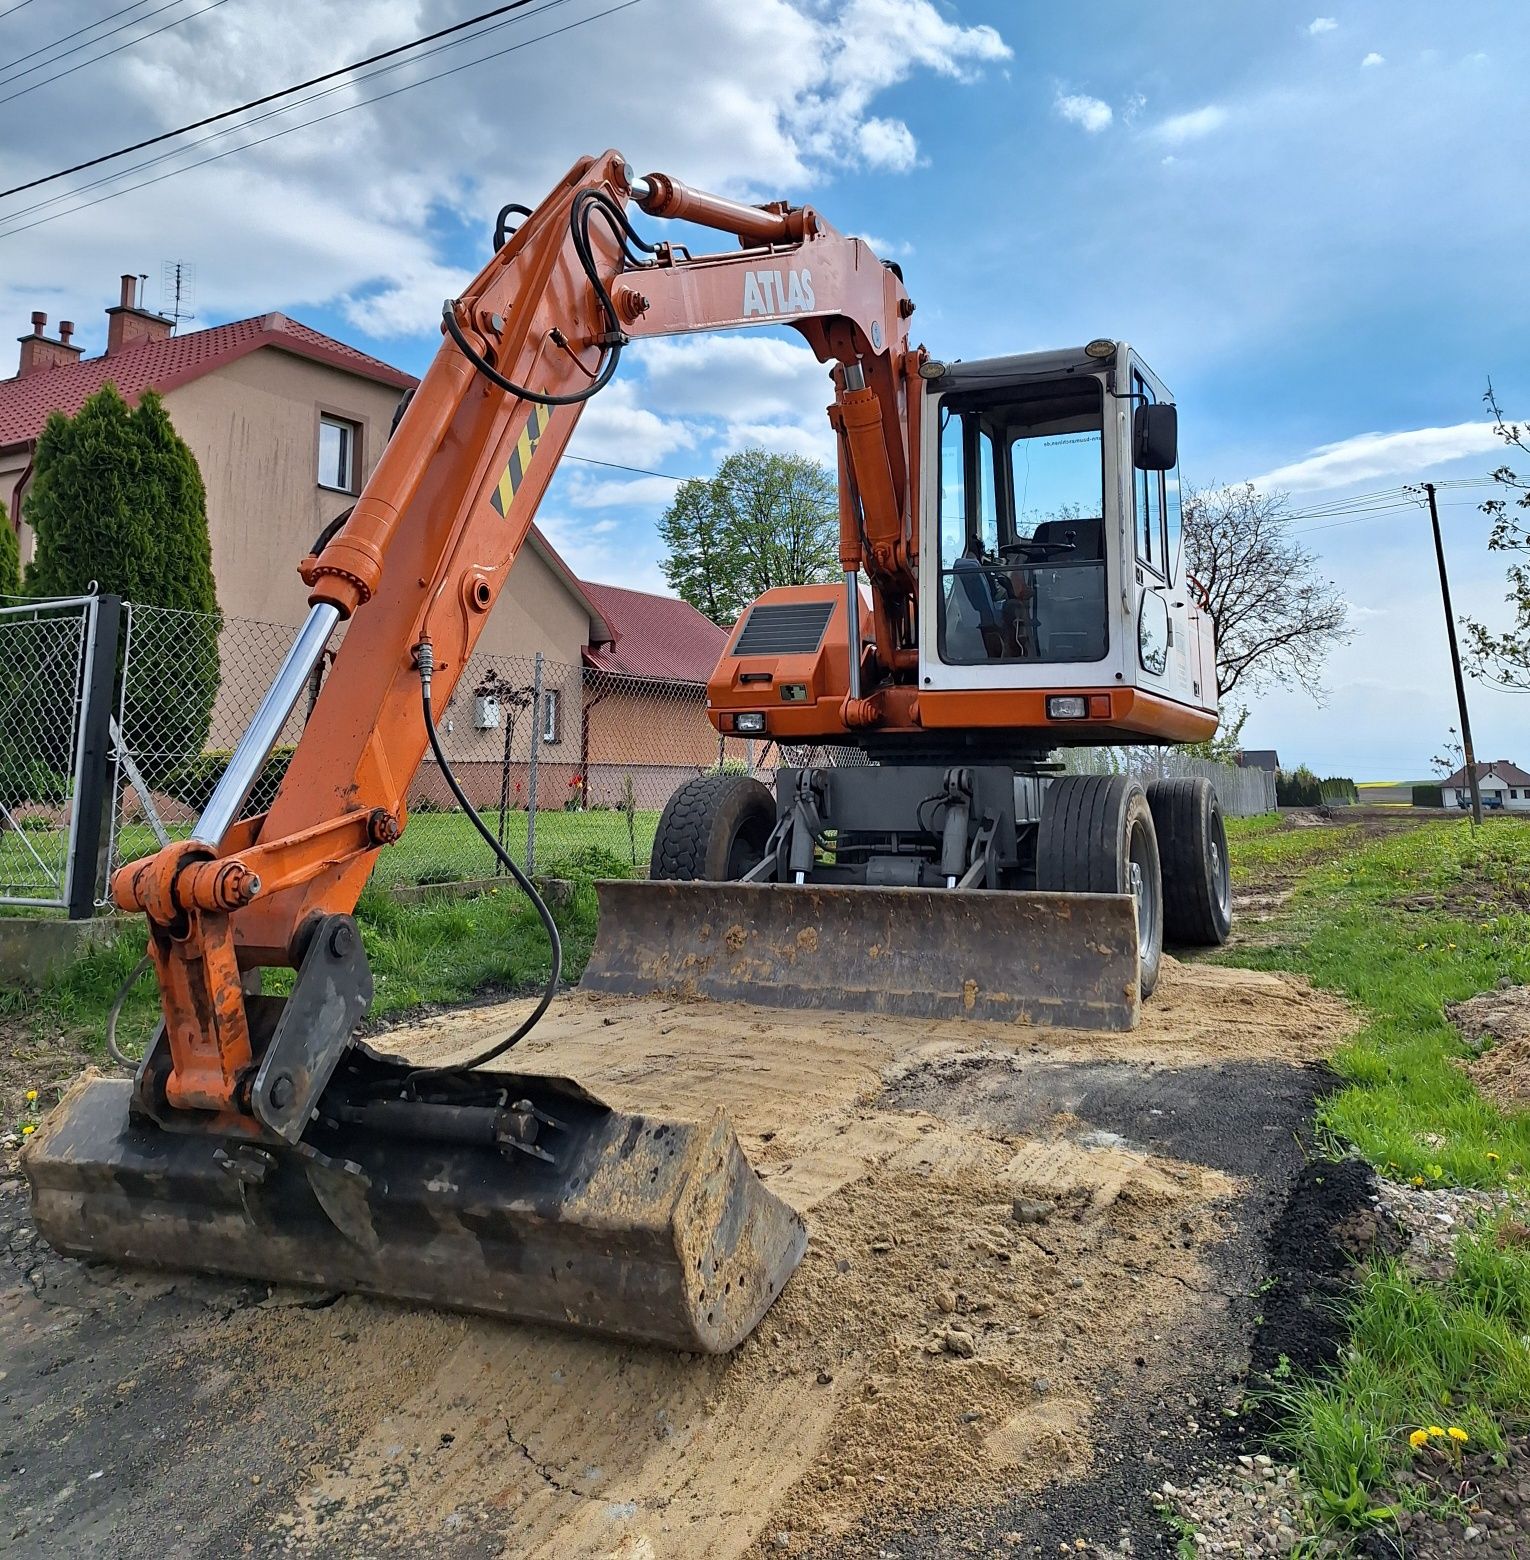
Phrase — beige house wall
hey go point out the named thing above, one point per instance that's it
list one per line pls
(253, 425)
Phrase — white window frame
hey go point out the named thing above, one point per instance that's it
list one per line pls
(351, 432)
(552, 717)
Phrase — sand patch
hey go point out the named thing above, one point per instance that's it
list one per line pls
(1502, 1018)
(932, 1349)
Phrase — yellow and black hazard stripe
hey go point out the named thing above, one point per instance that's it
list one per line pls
(520, 459)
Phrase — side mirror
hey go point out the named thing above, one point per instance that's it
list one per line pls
(1155, 437)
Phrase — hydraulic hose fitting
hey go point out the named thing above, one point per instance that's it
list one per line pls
(425, 663)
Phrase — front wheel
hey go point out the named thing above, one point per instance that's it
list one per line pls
(1096, 836)
(713, 830)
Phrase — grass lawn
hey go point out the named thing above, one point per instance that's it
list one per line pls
(1401, 924)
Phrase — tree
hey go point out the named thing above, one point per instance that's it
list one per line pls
(1453, 758)
(10, 559)
(763, 520)
(1504, 658)
(1276, 618)
(117, 504)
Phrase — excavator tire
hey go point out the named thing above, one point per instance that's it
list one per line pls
(1192, 838)
(1094, 831)
(714, 829)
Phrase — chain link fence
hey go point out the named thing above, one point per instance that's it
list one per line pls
(49, 778)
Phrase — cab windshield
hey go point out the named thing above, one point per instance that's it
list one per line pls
(1022, 529)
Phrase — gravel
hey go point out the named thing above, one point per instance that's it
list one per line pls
(1252, 1507)
(1431, 1218)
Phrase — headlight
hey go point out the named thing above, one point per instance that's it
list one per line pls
(750, 720)
(1067, 706)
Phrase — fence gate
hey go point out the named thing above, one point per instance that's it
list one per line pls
(57, 672)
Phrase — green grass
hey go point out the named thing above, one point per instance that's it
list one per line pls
(443, 950)
(1401, 925)
(1407, 1108)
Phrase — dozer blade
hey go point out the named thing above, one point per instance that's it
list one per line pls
(1062, 960)
(639, 1229)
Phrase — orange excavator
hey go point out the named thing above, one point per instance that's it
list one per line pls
(1011, 586)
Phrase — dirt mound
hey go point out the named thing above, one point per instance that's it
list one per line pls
(1502, 1018)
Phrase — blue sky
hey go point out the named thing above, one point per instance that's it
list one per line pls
(1313, 222)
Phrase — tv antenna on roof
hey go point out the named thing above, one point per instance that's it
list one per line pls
(177, 291)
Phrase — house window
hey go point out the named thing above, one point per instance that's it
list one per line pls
(338, 444)
(552, 715)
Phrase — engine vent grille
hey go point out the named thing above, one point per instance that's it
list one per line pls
(784, 628)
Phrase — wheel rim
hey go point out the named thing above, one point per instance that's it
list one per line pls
(1140, 886)
(745, 851)
(1221, 876)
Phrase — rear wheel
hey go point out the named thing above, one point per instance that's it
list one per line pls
(1096, 836)
(1197, 885)
(713, 830)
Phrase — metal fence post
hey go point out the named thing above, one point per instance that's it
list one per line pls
(531, 779)
(90, 833)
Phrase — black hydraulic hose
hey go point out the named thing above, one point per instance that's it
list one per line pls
(555, 942)
(579, 226)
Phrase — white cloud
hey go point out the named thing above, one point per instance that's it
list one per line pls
(812, 438)
(1372, 59)
(778, 96)
(1090, 113)
(1322, 24)
(1192, 126)
(616, 427)
(886, 248)
(887, 143)
(755, 379)
(1366, 456)
(604, 552)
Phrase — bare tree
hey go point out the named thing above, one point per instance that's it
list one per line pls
(1504, 659)
(1276, 617)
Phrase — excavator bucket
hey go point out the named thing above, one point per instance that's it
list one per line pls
(1060, 960)
(524, 1198)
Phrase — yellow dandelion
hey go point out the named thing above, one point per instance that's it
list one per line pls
(1456, 1433)
(1491, 1157)
(28, 1130)
(1418, 1438)
(1436, 1430)
(31, 1096)
(1415, 1180)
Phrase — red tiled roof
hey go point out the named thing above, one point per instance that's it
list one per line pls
(658, 637)
(162, 365)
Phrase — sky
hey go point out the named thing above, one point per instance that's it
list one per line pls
(1313, 221)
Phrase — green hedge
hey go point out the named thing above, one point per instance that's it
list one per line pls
(1428, 796)
(1337, 789)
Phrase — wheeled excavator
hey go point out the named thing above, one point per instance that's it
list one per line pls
(1010, 587)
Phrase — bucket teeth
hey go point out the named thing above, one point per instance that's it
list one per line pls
(1061, 960)
(640, 1229)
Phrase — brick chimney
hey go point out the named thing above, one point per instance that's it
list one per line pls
(127, 325)
(40, 352)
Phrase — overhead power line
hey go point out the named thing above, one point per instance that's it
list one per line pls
(269, 97)
(20, 6)
(95, 59)
(89, 27)
(149, 16)
(319, 119)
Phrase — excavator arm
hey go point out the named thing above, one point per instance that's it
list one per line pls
(259, 1136)
(432, 538)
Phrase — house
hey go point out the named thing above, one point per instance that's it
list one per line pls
(1258, 758)
(645, 698)
(1507, 784)
(287, 424)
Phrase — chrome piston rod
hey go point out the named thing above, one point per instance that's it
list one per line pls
(264, 731)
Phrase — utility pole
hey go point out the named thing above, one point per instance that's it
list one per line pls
(1455, 663)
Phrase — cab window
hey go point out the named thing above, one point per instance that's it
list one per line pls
(1149, 489)
(1022, 529)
